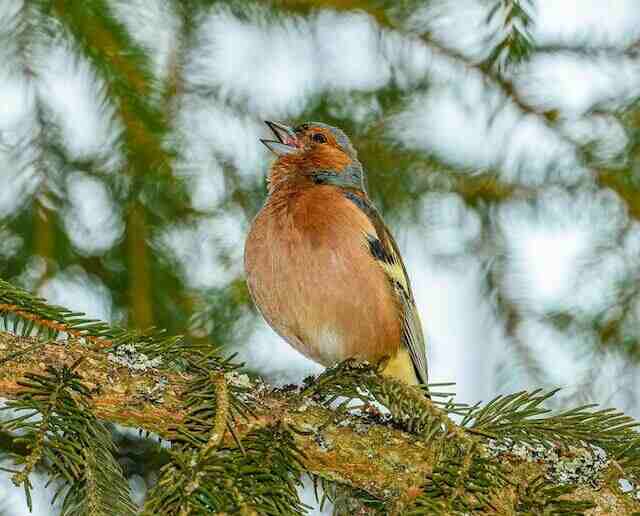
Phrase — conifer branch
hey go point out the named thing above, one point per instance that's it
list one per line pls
(68, 441)
(409, 458)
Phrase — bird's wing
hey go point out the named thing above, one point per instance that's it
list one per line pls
(385, 251)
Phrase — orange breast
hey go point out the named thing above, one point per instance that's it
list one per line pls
(313, 279)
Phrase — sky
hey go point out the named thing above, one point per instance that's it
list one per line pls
(568, 249)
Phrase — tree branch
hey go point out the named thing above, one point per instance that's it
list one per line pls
(361, 452)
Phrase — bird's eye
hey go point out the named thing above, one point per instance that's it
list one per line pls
(319, 138)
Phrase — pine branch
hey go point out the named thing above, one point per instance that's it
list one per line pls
(515, 44)
(155, 191)
(259, 479)
(420, 173)
(202, 477)
(521, 416)
(69, 441)
(125, 67)
(621, 181)
(373, 453)
(25, 314)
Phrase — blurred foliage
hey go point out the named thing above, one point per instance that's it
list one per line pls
(147, 286)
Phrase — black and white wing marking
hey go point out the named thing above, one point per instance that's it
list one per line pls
(384, 250)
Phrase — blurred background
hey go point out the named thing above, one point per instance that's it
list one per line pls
(501, 140)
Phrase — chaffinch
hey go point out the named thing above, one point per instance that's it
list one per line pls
(321, 265)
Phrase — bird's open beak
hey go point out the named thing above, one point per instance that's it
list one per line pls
(287, 142)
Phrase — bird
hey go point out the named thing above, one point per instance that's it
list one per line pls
(321, 266)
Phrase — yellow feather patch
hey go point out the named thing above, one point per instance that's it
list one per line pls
(384, 251)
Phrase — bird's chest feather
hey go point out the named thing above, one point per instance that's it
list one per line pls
(312, 276)
(310, 241)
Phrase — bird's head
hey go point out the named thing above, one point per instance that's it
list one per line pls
(316, 153)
